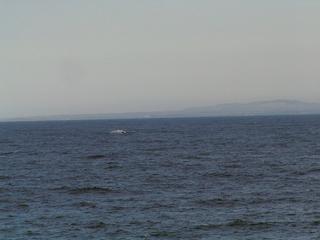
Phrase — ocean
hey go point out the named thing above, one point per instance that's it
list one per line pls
(196, 178)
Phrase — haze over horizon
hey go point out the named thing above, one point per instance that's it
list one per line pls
(88, 57)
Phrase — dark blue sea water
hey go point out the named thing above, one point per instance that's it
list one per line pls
(205, 178)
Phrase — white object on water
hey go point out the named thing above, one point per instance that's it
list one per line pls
(118, 131)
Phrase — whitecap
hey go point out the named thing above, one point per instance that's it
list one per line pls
(118, 131)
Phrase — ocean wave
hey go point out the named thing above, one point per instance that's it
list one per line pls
(236, 223)
(85, 204)
(315, 170)
(159, 206)
(4, 177)
(304, 172)
(85, 190)
(316, 222)
(216, 202)
(3, 190)
(5, 141)
(97, 225)
(112, 165)
(8, 153)
(163, 234)
(96, 156)
(218, 174)
(23, 205)
(261, 200)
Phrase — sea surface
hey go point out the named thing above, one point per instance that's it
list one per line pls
(197, 178)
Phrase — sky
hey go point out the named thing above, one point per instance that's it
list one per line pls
(106, 56)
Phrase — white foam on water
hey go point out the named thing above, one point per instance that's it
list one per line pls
(118, 131)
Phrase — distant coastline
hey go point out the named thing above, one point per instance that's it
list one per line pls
(258, 108)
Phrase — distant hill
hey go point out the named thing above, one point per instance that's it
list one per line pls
(275, 107)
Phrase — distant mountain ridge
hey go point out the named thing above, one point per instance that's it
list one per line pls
(258, 108)
(274, 107)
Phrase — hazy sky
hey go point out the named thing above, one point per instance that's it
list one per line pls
(100, 56)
